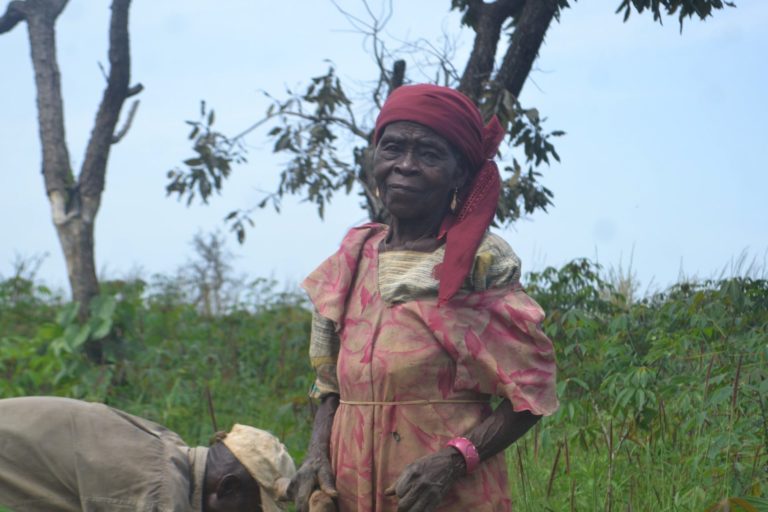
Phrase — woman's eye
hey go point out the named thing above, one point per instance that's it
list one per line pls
(390, 148)
(430, 156)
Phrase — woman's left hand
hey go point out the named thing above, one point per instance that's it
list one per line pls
(423, 483)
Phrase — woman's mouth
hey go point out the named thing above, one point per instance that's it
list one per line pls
(403, 188)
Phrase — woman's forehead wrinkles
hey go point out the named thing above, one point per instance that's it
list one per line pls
(417, 134)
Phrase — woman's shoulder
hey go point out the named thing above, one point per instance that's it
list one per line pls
(356, 236)
(496, 264)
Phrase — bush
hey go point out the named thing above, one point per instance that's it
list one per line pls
(664, 401)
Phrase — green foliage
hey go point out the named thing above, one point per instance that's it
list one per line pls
(469, 10)
(664, 401)
(329, 150)
(310, 126)
(521, 191)
(329, 146)
(683, 8)
(214, 154)
(162, 354)
(316, 129)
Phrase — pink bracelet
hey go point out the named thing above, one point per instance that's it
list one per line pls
(467, 450)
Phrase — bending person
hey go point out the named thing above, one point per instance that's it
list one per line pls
(62, 455)
(420, 322)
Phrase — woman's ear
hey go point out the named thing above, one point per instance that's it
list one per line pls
(462, 175)
(461, 172)
(230, 484)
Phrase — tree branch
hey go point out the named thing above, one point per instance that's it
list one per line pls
(333, 119)
(117, 137)
(14, 14)
(530, 28)
(398, 75)
(489, 19)
(41, 17)
(134, 90)
(96, 155)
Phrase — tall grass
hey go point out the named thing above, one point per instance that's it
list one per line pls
(664, 398)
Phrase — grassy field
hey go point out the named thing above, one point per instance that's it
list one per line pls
(664, 399)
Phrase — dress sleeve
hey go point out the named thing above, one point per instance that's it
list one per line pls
(496, 340)
(323, 354)
(328, 287)
(496, 265)
(492, 329)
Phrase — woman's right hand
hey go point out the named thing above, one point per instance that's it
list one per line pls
(315, 472)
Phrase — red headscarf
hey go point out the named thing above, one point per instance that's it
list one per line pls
(454, 117)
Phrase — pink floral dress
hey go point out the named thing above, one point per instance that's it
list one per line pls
(412, 375)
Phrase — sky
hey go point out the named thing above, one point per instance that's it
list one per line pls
(661, 171)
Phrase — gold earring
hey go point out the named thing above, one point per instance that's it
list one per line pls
(455, 199)
(377, 193)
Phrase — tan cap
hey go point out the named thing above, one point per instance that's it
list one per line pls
(265, 458)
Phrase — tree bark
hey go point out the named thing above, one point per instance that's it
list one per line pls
(75, 230)
(14, 14)
(74, 203)
(530, 27)
(489, 19)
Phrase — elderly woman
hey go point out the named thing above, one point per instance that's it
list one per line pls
(419, 323)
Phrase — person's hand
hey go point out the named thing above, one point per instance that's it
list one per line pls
(315, 472)
(423, 483)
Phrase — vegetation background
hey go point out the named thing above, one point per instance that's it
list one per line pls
(664, 397)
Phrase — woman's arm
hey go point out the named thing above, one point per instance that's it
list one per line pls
(423, 483)
(316, 471)
(501, 429)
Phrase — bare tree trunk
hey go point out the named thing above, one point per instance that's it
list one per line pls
(530, 27)
(489, 19)
(74, 203)
(75, 230)
(77, 244)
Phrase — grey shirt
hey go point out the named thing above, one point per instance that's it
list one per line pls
(62, 455)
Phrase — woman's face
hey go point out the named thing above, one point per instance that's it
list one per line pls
(416, 171)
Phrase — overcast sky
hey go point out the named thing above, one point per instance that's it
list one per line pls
(662, 163)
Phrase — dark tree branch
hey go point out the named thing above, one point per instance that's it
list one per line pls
(117, 137)
(398, 75)
(530, 27)
(490, 17)
(14, 14)
(41, 17)
(134, 90)
(96, 155)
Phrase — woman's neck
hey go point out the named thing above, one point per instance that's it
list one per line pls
(416, 235)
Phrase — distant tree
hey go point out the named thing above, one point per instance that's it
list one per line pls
(74, 199)
(315, 127)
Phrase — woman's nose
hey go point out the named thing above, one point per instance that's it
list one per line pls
(407, 163)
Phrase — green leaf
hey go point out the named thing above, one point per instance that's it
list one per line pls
(100, 328)
(66, 315)
(104, 307)
(49, 331)
(79, 338)
(580, 382)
